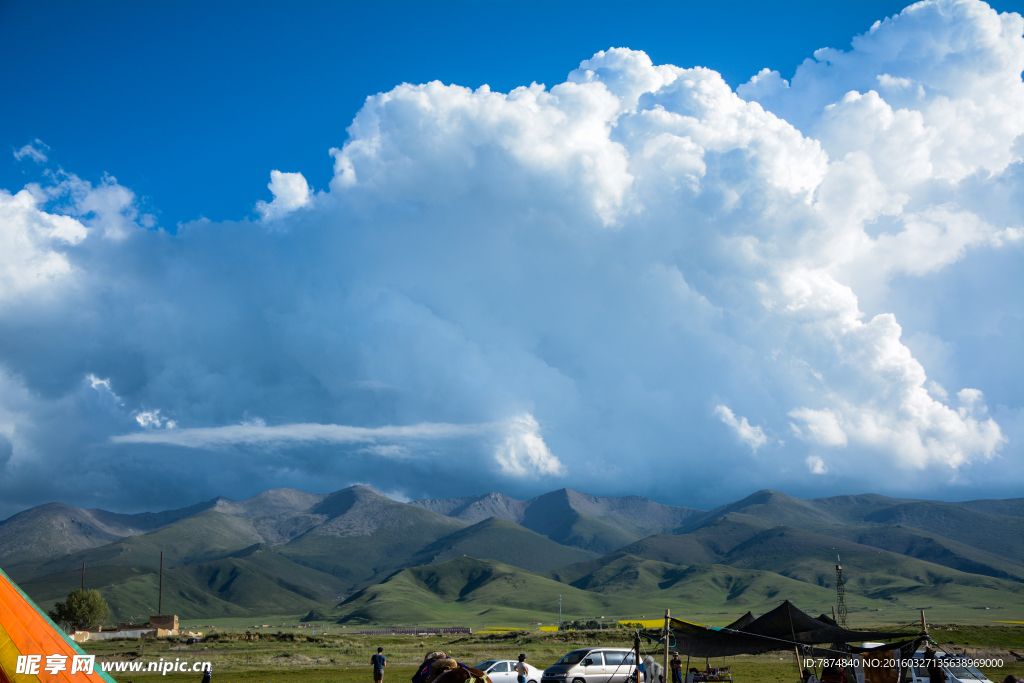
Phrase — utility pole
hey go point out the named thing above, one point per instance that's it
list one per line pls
(160, 593)
(559, 612)
(83, 576)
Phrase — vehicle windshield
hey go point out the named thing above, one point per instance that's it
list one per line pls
(965, 673)
(574, 657)
(483, 665)
(977, 674)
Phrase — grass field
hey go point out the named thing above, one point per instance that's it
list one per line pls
(345, 658)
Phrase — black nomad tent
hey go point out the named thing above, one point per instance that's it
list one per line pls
(784, 628)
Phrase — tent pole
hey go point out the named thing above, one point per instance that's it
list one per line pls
(636, 649)
(664, 671)
(796, 650)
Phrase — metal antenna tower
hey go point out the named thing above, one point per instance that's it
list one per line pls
(840, 593)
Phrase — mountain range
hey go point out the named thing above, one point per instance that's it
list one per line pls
(364, 558)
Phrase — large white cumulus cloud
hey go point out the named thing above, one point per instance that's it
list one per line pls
(624, 271)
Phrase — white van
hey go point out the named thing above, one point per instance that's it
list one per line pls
(592, 665)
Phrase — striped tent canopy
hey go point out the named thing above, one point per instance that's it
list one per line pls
(26, 633)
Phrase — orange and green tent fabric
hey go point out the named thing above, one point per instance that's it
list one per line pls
(26, 631)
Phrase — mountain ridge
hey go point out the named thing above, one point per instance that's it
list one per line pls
(302, 550)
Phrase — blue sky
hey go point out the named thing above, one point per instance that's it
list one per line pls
(796, 278)
(190, 103)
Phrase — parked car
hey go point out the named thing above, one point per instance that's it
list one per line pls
(963, 672)
(592, 665)
(957, 670)
(504, 671)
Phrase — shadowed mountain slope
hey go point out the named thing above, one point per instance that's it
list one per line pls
(774, 508)
(56, 529)
(799, 555)
(201, 538)
(502, 541)
(53, 530)
(1001, 534)
(366, 536)
(569, 517)
(475, 509)
(928, 546)
(226, 587)
(1014, 507)
(969, 536)
(272, 503)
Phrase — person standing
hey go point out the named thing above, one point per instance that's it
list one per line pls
(521, 671)
(379, 662)
(677, 668)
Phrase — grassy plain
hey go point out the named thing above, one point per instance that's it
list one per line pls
(345, 658)
(486, 616)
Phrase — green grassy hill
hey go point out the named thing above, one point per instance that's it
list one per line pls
(928, 546)
(327, 587)
(369, 541)
(131, 592)
(982, 537)
(287, 551)
(617, 573)
(225, 587)
(466, 587)
(702, 587)
(999, 534)
(788, 562)
(466, 590)
(207, 536)
(506, 542)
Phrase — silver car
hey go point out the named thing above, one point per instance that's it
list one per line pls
(592, 665)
